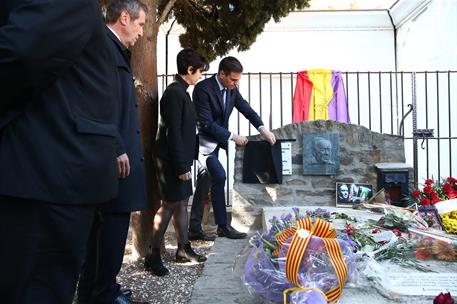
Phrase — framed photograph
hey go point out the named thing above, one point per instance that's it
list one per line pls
(431, 216)
(350, 194)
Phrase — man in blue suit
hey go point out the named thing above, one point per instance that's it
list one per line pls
(214, 100)
(58, 131)
(97, 284)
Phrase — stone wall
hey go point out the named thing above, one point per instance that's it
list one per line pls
(359, 150)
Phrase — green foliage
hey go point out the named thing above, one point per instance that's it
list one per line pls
(214, 27)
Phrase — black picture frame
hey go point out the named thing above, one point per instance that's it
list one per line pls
(356, 193)
(431, 216)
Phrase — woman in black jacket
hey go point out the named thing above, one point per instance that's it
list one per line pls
(176, 146)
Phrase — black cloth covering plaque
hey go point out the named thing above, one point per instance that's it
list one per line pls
(262, 163)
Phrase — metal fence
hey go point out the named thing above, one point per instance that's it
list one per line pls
(409, 104)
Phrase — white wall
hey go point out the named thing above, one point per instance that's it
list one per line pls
(346, 41)
(427, 39)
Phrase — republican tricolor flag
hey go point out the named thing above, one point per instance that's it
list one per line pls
(319, 95)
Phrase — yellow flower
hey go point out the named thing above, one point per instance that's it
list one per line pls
(450, 222)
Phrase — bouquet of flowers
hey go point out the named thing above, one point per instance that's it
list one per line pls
(301, 254)
(382, 244)
(396, 217)
(429, 248)
(435, 192)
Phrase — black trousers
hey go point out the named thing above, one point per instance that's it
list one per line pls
(43, 245)
(103, 261)
(198, 202)
(211, 176)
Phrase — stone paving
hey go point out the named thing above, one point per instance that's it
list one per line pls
(221, 280)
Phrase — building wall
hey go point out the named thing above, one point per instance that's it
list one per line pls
(345, 41)
(427, 39)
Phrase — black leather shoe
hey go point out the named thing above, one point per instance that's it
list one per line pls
(186, 254)
(230, 232)
(200, 235)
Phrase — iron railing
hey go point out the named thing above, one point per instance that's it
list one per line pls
(379, 101)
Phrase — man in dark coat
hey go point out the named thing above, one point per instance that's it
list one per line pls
(58, 116)
(214, 100)
(125, 20)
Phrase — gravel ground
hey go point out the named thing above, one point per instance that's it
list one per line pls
(176, 287)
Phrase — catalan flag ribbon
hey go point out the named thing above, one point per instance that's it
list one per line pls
(301, 235)
(319, 94)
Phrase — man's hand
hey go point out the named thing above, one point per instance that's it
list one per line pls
(239, 140)
(267, 135)
(185, 176)
(123, 165)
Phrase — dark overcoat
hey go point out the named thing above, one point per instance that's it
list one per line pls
(132, 190)
(58, 106)
(175, 143)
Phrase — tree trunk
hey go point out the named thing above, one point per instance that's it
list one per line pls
(144, 65)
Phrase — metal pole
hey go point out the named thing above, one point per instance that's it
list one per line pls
(166, 52)
(415, 152)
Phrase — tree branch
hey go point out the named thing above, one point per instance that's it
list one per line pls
(165, 12)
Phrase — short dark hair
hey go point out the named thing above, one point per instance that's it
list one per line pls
(116, 7)
(230, 64)
(188, 57)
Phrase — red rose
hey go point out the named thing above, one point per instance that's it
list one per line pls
(423, 253)
(416, 193)
(424, 201)
(428, 182)
(427, 189)
(451, 180)
(433, 194)
(376, 230)
(435, 200)
(444, 298)
(447, 187)
(452, 194)
(396, 232)
(350, 230)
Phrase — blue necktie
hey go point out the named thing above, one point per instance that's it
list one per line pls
(225, 99)
(224, 96)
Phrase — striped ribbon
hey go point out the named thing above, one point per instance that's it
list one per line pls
(300, 240)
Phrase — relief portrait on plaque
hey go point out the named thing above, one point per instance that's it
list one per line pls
(321, 153)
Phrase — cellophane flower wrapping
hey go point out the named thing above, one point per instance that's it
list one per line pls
(261, 275)
(316, 269)
(307, 297)
(267, 275)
